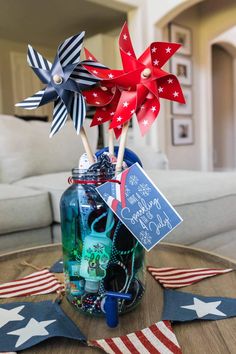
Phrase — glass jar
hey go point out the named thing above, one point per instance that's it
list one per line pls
(97, 257)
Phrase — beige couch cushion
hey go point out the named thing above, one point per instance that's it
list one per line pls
(26, 149)
(23, 209)
(223, 244)
(55, 184)
(205, 200)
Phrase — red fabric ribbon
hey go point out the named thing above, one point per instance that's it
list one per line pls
(88, 181)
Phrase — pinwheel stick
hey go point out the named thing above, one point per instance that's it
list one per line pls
(111, 142)
(119, 163)
(121, 151)
(86, 144)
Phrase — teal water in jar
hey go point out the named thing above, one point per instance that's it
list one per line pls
(97, 257)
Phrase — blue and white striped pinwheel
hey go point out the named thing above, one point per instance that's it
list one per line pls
(65, 80)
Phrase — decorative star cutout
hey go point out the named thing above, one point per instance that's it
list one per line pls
(154, 49)
(153, 109)
(176, 94)
(10, 315)
(125, 37)
(168, 50)
(170, 81)
(95, 94)
(32, 329)
(119, 119)
(160, 89)
(145, 122)
(155, 62)
(125, 104)
(205, 308)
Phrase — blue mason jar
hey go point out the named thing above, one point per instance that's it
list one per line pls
(97, 257)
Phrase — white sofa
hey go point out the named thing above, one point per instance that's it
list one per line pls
(34, 171)
(27, 214)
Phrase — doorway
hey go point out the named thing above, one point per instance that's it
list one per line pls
(223, 109)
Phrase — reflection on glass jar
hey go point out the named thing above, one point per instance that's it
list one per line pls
(97, 257)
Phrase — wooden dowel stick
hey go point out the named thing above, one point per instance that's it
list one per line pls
(111, 142)
(86, 145)
(122, 144)
(119, 163)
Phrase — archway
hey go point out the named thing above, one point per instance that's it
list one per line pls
(210, 20)
(223, 108)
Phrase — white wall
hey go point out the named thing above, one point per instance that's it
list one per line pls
(187, 156)
(6, 83)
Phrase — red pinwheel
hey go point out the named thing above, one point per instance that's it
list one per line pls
(106, 96)
(139, 86)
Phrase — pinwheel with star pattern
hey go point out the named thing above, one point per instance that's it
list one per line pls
(105, 97)
(139, 86)
(65, 81)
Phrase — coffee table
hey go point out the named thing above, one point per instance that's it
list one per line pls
(194, 337)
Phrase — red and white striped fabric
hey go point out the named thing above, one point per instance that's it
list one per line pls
(40, 282)
(159, 338)
(179, 277)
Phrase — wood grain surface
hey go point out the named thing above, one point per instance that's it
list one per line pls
(210, 337)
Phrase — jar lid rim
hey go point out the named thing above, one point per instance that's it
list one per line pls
(96, 173)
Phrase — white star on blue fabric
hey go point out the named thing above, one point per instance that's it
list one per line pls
(205, 308)
(32, 329)
(10, 315)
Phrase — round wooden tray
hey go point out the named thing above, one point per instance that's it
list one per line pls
(194, 337)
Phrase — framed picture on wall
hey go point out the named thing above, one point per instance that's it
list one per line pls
(183, 109)
(181, 35)
(182, 131)
(182, 67)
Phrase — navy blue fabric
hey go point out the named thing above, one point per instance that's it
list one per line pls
(175, 300)
(57, 267)
(25, 312)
